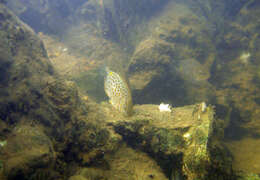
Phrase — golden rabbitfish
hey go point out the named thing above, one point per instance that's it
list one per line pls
(118, 92)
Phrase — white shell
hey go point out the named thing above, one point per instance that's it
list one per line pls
(164, 107)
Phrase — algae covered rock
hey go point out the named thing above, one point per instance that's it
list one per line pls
(126, 163)
(33, 94)
(150, 60)
(181, 141)
(173, 61)
(29, 86)
(26, 150)
(95, 142)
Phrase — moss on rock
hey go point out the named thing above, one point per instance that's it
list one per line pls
(181, 141)
(28, 149)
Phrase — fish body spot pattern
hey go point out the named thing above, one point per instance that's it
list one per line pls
(118, 92)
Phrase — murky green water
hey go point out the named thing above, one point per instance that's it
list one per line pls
(169, 51)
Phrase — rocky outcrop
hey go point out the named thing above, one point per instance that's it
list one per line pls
(44, 121)
(25, 68)
(173, 62)
(151, 60)
(182, 141)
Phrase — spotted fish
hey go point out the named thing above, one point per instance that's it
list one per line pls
(118, 92)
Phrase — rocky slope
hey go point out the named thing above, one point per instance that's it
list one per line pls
(41, 114)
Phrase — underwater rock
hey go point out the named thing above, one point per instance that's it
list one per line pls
(157, 70)
(94, 142)
(127, 164)
(64, 97)
(25, 70)
(173, 61)
(27, 149)
(32, 92)
(150, 60)
(183, 140)
(29, 85)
